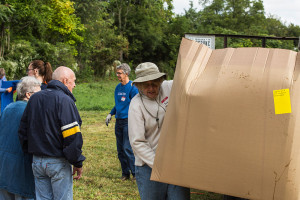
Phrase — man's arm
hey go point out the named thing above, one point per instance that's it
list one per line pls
(71, 133)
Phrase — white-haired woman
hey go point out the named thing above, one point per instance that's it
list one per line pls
(146, 116)
(16, 178)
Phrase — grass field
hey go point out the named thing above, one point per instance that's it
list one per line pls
(101, 170)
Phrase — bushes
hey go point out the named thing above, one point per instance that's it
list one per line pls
(22, 52)
(17, 58)
(10, 69)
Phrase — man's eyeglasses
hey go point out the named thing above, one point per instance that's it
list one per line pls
(119, 73)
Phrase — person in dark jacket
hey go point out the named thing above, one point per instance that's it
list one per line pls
(50, 130)
(16, 177)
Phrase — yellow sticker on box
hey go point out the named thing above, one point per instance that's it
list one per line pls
(282, 101)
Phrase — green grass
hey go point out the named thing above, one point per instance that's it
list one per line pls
(95, 96)
(101, 169)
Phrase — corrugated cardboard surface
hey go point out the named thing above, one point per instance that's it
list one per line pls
(221, 133)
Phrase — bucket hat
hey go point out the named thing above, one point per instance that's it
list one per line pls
(146, 72)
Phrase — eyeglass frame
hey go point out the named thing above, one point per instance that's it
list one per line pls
(119, 73)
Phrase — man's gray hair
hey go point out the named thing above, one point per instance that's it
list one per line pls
(125, 67)
(27, 84)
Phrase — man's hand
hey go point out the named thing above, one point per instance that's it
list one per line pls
(79, 173)
(108, 118)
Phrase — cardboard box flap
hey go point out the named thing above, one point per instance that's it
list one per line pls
(221, 133)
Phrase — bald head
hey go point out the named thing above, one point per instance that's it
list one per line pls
(66, 76)
(62, 72)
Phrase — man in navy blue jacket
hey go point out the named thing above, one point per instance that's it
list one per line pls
(50, 130)
(124, 92)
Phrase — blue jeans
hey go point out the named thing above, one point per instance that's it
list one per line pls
(125, 153)
(152, 190)
(53, 178)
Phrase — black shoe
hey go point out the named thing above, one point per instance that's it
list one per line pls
(124, 178)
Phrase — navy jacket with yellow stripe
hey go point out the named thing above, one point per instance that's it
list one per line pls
(50, 125)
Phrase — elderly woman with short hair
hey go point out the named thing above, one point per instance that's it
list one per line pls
(146, 116)
(16, 178)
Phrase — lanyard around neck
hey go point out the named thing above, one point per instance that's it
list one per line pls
(156, 118)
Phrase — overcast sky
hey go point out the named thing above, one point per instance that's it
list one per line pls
(287, 10)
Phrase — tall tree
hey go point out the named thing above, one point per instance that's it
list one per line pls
(143, 22)
(235, 15)
(121, 9)
(33, 25)
(102, 42)
(6, 12)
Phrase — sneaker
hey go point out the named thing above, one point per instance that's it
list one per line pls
(124, 178)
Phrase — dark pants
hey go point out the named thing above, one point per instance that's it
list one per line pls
(125, 153)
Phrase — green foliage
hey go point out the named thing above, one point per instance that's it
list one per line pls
(89, 35)
(44, 22)
(106, 51)
(144, 24)
(5, 13)
(10, 69)
(102, 43)
(20, 54)
(65, 56)
(62, 20)
(85, 75)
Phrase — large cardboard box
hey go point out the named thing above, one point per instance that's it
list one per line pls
(221, 132)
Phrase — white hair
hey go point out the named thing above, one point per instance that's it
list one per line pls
(27, 84)
(125, 67)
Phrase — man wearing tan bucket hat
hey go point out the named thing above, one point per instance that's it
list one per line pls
(145, 119)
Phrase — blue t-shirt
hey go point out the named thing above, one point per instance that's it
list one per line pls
(123, 96)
